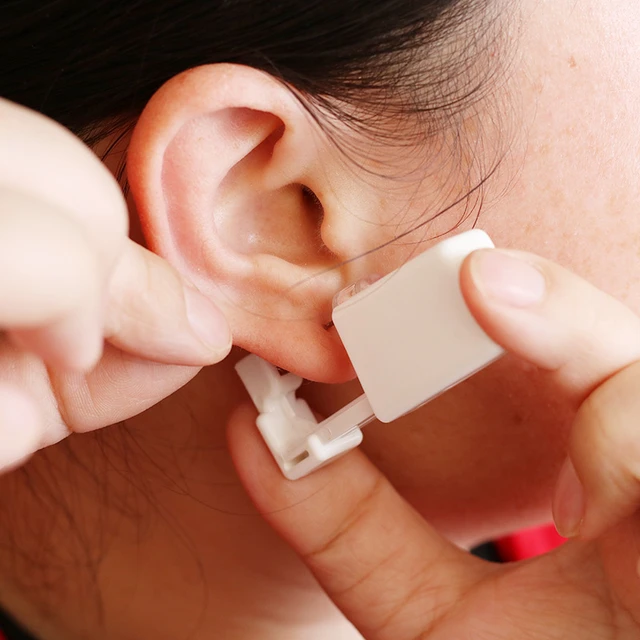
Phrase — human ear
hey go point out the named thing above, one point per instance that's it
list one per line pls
(232, 183)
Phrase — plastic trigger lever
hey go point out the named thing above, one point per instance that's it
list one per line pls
(298, 442)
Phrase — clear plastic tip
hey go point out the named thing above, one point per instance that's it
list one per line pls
(354, 289)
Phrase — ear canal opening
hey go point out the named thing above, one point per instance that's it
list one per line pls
(315, 208)
(312, 200)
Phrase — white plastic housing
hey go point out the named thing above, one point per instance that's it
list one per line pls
(410, 335)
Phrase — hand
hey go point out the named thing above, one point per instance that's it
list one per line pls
(69, 279)
(396, 578)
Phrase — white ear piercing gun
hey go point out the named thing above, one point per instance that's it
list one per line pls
(410, 337)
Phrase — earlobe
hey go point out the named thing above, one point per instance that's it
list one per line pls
(222, 165)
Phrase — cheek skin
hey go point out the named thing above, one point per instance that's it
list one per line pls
(573, 190)
(467, 460)
(483, 459)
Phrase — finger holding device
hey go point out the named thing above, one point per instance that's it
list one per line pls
(410, 337)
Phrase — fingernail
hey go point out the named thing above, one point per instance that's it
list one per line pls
(206, 320)
(506, 279)
(569, 503)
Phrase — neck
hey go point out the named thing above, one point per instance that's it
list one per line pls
(142, 529)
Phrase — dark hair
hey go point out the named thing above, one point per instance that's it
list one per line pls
(93, 65)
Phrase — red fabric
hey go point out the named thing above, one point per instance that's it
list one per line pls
(528, 544)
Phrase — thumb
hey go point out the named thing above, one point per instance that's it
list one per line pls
(388, 571)
(153, 314)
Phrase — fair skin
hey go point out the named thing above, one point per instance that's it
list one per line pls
(480, 461)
